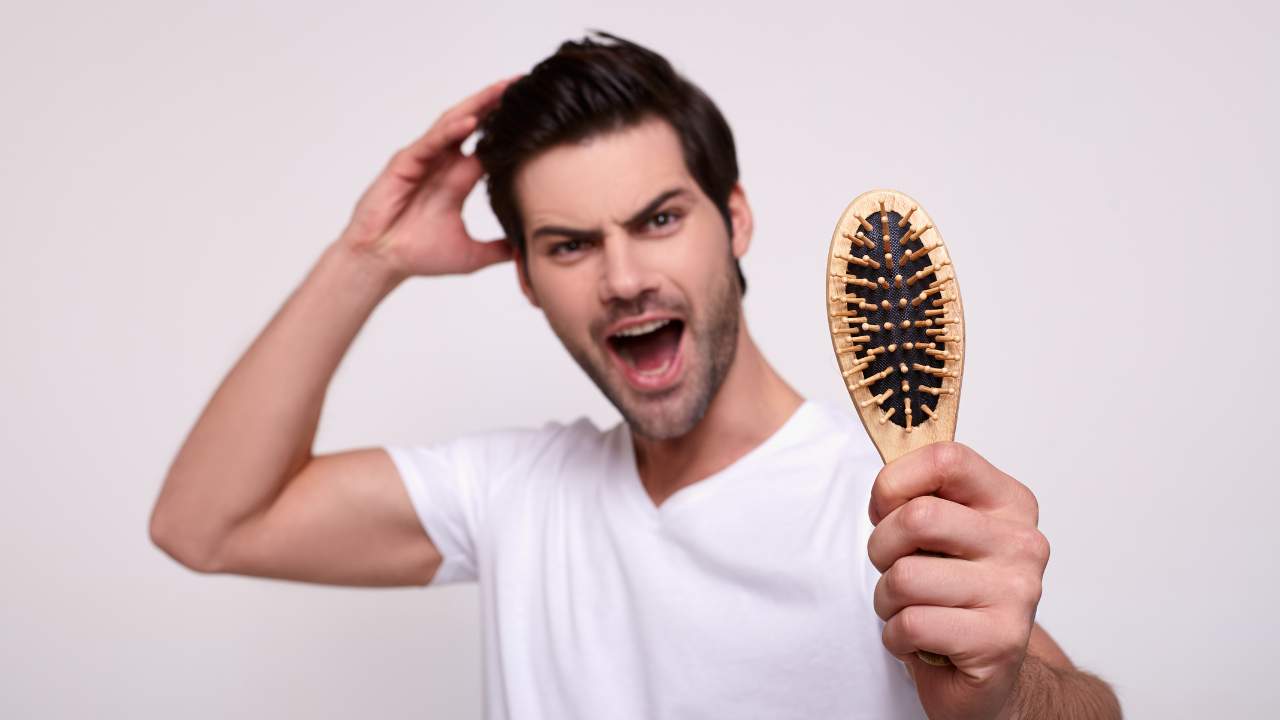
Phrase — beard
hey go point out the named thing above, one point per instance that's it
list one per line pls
(709, 349)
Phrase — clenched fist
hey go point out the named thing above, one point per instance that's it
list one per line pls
(977, 605)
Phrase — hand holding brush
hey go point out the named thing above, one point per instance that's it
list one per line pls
(955, 539)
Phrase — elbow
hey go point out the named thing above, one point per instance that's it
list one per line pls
(169, 538)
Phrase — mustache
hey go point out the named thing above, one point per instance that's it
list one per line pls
(649, 303)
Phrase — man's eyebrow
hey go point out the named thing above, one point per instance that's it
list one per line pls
(640, 216)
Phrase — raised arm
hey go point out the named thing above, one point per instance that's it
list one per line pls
(245, 494)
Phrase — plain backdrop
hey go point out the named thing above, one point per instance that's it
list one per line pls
(1105, 176)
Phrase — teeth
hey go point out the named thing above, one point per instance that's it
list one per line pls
(641, 329)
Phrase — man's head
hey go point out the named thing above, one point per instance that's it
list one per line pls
(616, 181)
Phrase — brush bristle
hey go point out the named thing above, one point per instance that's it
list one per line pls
(895, 323)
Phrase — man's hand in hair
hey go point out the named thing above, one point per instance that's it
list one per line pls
(411, 216)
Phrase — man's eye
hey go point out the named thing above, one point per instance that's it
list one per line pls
(565, 247)
(664, 218)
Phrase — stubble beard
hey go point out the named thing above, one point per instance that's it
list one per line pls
(675, 412)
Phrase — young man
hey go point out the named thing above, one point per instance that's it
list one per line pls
(710, 556)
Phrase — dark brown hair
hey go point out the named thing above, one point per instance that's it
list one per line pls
(589, 88)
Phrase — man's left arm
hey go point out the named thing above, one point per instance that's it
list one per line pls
(1050, 686)
(977, 604)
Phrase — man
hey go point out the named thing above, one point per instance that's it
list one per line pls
(710, 556)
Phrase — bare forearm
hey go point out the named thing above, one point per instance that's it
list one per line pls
(257, 430)
(1047, 692)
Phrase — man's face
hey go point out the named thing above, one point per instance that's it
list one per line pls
(632, 265)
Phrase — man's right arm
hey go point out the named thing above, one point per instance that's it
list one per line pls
(245, 494)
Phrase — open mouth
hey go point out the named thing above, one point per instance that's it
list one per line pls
(649, 353)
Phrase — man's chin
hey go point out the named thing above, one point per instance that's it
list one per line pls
(654, 415)
(672, 413)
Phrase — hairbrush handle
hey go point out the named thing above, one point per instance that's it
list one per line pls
(897, 326)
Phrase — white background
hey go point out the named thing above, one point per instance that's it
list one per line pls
(1105, 177)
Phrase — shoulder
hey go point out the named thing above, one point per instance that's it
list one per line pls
(526, 444)
(838, 430)
(488, 457)
(840, 416)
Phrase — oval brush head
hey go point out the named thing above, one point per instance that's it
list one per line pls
(897, 326)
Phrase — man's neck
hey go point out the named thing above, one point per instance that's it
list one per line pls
(751, 405)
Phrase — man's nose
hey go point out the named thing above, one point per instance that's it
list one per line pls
(625, 276)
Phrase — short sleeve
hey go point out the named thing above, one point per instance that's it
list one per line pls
(451, 485)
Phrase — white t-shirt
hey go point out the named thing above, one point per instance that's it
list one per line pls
(744, 595)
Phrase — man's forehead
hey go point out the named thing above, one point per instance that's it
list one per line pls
(604, 178)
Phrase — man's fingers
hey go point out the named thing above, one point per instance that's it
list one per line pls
(956, 632)
(409, 164)
(462, 176)
(449, 130)
(945, 582)
(481, 102)
(955, 472)
(486, 253)
(933, 524)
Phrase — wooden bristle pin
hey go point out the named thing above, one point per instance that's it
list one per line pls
(924, 295)
(874, 378)
(860, 240)
(884, 229)
(904, 367)
(916, 255)
(864, 261)
(853, 280)
(927, 271)
(911, 236)
(877, 399)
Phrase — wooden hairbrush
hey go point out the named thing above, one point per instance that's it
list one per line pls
(897, 325)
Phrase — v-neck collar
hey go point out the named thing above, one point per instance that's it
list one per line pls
(688, 494)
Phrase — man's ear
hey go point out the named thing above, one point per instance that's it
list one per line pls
(522, 276)
(740, 218)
